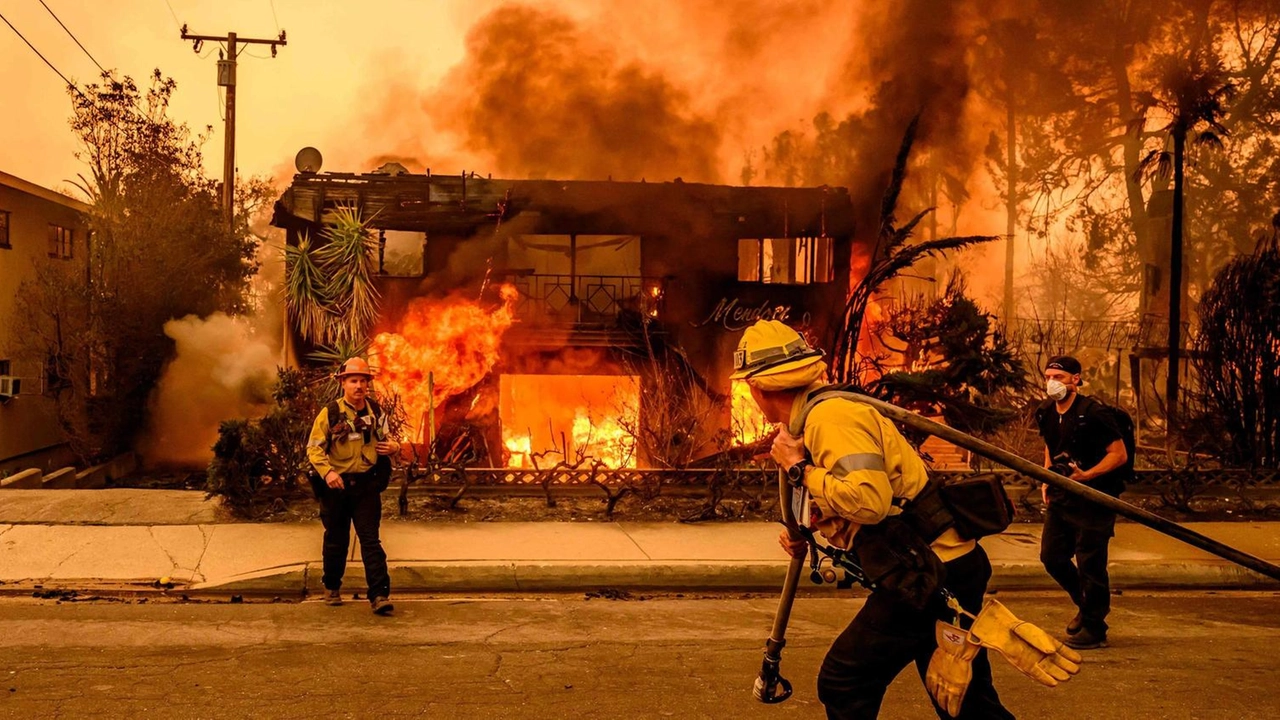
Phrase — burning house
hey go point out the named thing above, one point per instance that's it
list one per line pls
(524, 323)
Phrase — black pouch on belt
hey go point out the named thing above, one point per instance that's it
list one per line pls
(980, 506)
(897, 560)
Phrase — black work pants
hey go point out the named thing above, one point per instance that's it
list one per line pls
(887, 635)
(1081, 534)
(358, 504)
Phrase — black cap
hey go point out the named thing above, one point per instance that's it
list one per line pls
(1065, 363)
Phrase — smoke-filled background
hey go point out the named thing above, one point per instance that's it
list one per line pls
(224, 368)
(813, 92)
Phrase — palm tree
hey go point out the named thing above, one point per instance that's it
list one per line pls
(890, 257)
(329, 289)
(1193, 94)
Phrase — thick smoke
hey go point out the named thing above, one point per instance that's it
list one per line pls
(544, 98)
(809, 92)
(914, 63)
(223, 368)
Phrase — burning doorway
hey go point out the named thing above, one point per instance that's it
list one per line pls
(550, 418)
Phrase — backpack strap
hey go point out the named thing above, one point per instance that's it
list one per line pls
(332, 411)
(335, 411)
(380, 430)
(822, 394)
(925, 513)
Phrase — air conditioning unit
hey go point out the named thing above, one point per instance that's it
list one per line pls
(10, 387)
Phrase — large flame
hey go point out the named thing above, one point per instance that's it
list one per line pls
(748, 423)
(592, 418)
(455, 340)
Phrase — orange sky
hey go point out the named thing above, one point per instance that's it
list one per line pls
(313, 93)
(357, 79)
(360, 79)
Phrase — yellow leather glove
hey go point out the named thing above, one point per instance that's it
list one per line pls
(950, 668)
(1028, 648)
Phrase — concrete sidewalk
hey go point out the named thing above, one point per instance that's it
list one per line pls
(84, 546)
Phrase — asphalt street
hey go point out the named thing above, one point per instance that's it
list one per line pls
(1200, 655)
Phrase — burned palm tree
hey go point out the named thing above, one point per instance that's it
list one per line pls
(891, 256)
(1194, 93)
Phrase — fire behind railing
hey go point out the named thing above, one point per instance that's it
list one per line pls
(585, 299)
(587, 476)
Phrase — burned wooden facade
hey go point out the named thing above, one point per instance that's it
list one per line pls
(623, 270)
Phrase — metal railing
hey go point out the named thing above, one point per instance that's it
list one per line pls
(585, 299)
(1105, 334)
(514, 478)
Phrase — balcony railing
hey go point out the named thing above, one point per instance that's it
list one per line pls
(585, 299)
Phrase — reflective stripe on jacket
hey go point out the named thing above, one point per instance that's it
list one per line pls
(861, 463)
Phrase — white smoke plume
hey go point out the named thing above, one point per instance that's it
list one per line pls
(223, 368)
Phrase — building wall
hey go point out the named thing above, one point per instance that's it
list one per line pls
(687, 247)
(29, 432)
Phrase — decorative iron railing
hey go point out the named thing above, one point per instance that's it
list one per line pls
(585, 299)
(1105, 334)
(445, 476)
(520, 477)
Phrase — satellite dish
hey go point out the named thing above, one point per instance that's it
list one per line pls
(308, 160)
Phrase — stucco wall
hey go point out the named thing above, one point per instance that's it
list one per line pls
(28, 424)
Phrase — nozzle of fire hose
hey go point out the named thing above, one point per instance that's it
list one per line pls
(771, 688)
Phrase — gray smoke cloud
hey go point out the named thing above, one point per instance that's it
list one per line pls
(224, 367)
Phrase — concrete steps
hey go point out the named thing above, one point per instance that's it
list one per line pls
(946, 457)
(69, 478)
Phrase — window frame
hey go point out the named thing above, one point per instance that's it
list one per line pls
(805, 260)
(6, 229)
(61, 242)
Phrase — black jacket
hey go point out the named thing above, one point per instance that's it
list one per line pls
(1084, 431)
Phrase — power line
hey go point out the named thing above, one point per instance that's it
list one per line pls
(73, 37)
(273, 14)
(42, 57)
(86, 52)
(227, 79)
(176, 22)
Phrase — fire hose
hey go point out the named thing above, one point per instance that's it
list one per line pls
(769, 682)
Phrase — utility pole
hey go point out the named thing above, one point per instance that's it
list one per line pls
(227, 79)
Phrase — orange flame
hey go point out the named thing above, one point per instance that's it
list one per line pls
(606, 438)
(748, 423)
(519, 449)
(594, 415)
(457, 340)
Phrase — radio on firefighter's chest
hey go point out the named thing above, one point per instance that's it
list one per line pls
(358, 430)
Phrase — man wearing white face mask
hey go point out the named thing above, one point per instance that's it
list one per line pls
(1084, 443)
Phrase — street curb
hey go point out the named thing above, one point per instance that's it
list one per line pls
(692, 576)
(1189, 575)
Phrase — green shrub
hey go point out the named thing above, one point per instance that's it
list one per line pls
(260, 465)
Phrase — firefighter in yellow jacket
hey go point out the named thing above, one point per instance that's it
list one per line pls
(350, 449)
(859, 470)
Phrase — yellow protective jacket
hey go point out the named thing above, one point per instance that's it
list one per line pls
(861, 463)
(343, 454)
